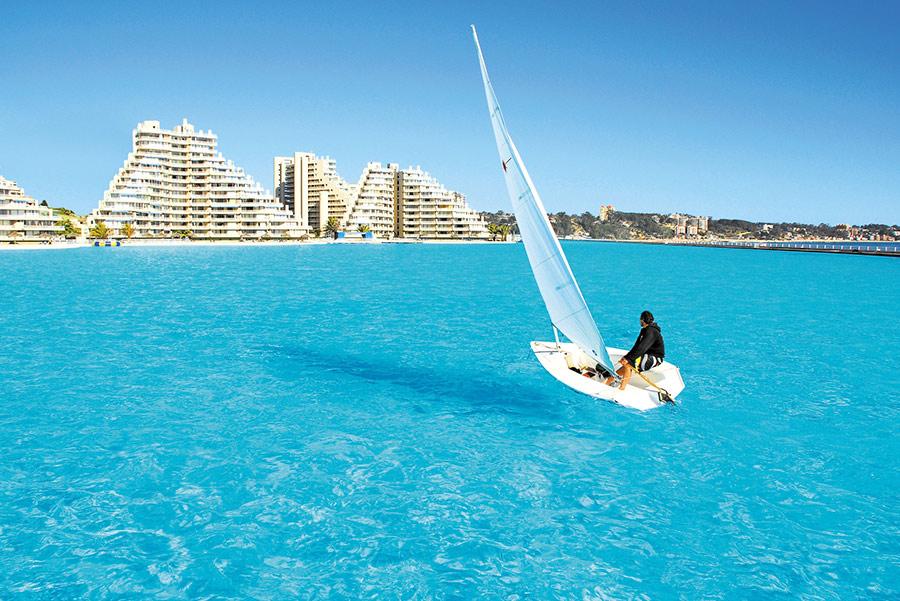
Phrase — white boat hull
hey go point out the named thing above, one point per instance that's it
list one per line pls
(559, 359)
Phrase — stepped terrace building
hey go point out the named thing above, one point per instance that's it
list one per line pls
(175, 183)
(310, 187)
(426, 209)
(313, 190)
(373, 205)
(22, 218)
(387, 200)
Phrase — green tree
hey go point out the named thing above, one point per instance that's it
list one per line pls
(493, 229)
(128, 230)
(362, 228)
(69, 229)
(586, 221)
(504, 231)
(100, 231)
(562, 224)
(331, 227)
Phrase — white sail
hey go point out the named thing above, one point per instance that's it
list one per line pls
(562, 296)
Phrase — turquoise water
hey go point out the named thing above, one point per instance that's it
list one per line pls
(349, 421)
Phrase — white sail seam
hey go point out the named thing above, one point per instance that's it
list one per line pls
(560, 291)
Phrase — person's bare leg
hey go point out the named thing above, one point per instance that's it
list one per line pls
(619, 371)
(626, 377)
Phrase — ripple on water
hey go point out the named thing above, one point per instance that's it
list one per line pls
(362, 422)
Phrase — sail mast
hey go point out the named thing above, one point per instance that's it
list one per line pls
(562, 296)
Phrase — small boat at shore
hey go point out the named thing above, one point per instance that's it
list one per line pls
(585, 362)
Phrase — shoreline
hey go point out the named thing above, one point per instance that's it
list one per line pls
(871, 248)
(164, 242)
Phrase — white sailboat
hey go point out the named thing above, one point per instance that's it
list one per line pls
(575, 363)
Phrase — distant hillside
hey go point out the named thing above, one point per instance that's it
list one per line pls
(621, 225)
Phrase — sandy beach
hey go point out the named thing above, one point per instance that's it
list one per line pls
(228, 243)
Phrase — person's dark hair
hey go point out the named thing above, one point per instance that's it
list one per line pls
(647, 317)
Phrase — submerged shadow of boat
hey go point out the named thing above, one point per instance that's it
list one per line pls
(481, 391)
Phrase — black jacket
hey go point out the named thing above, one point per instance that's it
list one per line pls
(649, 342)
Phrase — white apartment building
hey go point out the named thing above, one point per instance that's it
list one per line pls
(388, 201)
(687, 226)
(22, 218)
(426, 209)
(373, 205)
(310, 187)
(174, 182)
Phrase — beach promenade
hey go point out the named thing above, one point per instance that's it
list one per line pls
(887, 249)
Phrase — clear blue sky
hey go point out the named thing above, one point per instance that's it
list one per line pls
(766, 111)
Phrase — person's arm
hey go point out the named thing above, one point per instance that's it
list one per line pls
(641, 345)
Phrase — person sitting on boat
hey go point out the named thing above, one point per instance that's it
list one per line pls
(648, 351)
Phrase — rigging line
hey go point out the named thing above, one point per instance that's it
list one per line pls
(664, 395)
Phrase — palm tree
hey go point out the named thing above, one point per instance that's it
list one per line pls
(331, 228)
(128, 230)
(493, 230)
(69, 229)
(100, 231)
(504, 232)
(362, 228)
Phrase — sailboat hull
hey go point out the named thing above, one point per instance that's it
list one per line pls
(560, 359)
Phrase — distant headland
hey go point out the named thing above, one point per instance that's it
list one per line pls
(611, 224)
